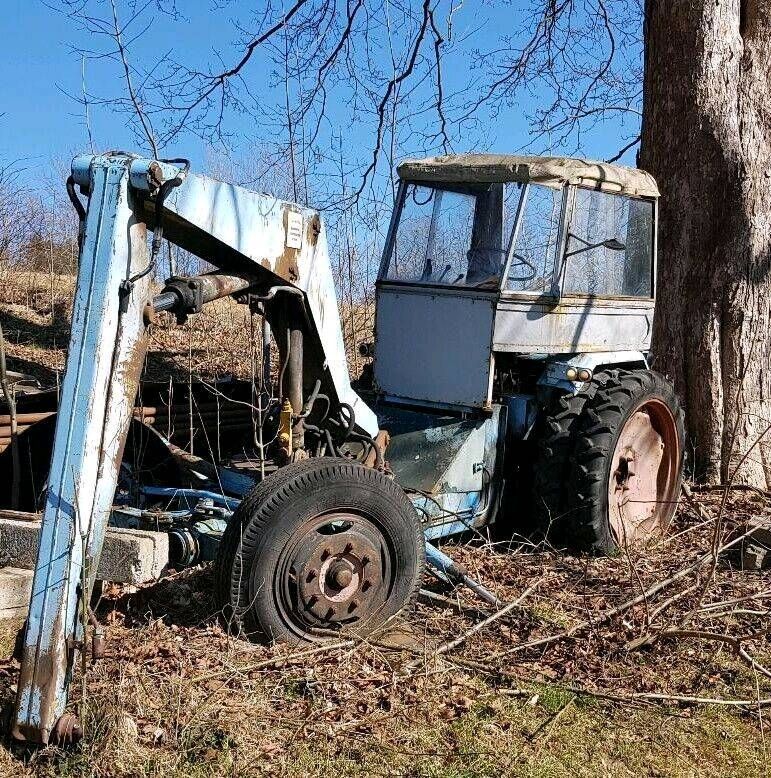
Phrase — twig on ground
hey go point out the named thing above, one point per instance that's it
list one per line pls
(462, 638)
(605, 616)
(277, 660)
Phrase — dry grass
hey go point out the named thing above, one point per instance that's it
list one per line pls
(177, 696)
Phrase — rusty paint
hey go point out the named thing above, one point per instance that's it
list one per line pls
(155, 175)
(26, 418)
(107, 348)
(314, 229)
(643, 483)
(149, 314)
(67, 731)
(218, 285)
(41, 674)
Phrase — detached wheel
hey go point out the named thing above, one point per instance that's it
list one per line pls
(626, 477)
(321, 548)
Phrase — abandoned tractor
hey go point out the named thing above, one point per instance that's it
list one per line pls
(510, 381)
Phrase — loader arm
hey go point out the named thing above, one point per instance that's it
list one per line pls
(275, 250)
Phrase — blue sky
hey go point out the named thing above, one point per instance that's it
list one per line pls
(42, 125)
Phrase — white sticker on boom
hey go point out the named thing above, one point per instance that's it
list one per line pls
(294, 230)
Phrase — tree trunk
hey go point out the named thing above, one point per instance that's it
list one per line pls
(707, 139)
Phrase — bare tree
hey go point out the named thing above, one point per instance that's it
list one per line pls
(581, 62)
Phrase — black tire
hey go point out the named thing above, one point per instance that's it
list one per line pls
(555, 446)
(282, 523)
(621, 395)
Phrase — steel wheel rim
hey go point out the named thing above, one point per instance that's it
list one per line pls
(644, 472)
(340, 561)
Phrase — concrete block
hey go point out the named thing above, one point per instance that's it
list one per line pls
(128, 556)
(15, 589)
(133, 556)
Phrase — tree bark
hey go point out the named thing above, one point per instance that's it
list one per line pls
(706, 137)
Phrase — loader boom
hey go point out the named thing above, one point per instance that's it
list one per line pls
(277, 249)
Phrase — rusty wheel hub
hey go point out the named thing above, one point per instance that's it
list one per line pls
(643, 476)
(336, 573)
(67, 731)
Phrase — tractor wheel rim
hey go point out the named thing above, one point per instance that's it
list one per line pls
(334, 573)
(644, 472)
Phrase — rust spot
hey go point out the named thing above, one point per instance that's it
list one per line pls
(149, 314)
(155, 175)
(37, 673)
(314, 229)
(67, 731)
(382, 439)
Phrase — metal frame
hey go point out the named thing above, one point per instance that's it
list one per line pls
(559, 268)
(514, 235)
(391, 234)
(270, 246)
(107, 341)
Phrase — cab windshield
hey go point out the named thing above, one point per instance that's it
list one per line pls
(452, 236)
(468, 236)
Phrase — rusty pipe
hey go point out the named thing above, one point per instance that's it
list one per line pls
(11, 402)
(25, 418)
(188, 294)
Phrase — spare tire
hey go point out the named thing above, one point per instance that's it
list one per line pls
(322, 547)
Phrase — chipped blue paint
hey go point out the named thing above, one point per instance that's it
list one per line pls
(105, 356)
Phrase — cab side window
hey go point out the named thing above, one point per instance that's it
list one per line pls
(609, 246)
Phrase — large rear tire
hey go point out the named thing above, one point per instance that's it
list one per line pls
(321, 548)
(626, 477)
(555, 446)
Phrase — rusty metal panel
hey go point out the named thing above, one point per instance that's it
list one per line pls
(572, 325)
(433, 345)
(450, 471)
(106, 352)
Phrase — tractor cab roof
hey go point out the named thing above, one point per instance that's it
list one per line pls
(548, 171)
